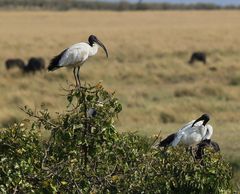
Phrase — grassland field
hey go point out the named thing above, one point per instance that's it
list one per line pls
(147, 67)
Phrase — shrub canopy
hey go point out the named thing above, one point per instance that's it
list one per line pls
(84, 153)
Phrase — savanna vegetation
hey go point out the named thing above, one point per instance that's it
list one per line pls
(84, 153)
(147, 67)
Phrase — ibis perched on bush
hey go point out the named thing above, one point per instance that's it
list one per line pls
(76, 55)
(190, 134)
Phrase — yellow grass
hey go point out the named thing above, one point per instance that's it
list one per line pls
(147, 66)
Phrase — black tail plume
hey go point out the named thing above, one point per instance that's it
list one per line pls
(167, 141)
(54, 63)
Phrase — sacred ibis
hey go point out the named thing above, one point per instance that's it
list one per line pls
(190, 134)
(75, 56)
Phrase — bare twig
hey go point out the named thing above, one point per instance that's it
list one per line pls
(15, 190)
(154, 141)
(49, 143)
(78, 189)
(38, 117)
(75, 107)
(8, 145)
(113, 171)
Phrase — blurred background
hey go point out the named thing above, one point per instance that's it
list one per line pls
(150, 44)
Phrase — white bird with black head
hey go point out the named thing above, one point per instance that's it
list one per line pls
(190, 134)
(76, 55)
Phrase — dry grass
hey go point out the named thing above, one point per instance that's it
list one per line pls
(147, 66)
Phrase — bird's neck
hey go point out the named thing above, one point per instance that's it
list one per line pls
(93, 49)
(209, 132)
(203, 130)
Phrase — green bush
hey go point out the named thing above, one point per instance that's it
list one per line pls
(84, 153)
(20, 165)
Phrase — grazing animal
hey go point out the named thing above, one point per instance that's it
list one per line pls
(198, 56)
(206, 143)
(34, 64)
(11, 63)
(190, 134)
(75, 56)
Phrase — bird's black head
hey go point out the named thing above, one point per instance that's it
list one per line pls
(205, 118)
(93, 39)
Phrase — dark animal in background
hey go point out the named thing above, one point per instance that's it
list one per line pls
(204, 144)
(198, 56)
(11, 63)
(34, 64)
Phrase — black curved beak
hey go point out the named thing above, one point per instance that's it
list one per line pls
(205, 118)
(102, 45)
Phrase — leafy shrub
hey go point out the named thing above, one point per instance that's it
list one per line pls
(21, 154)
(8, 122)
(84, 153)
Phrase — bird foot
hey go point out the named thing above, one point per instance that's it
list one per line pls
(78, 87)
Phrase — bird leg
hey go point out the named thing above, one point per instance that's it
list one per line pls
(74, 73)
(78, 76)
(190, 149)
(192, 152)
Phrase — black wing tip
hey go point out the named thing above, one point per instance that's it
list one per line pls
(54, 63)
(53, 66)
(167, 141)
(162, 144)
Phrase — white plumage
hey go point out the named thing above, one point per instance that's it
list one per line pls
(75, 56)
(191, 133)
